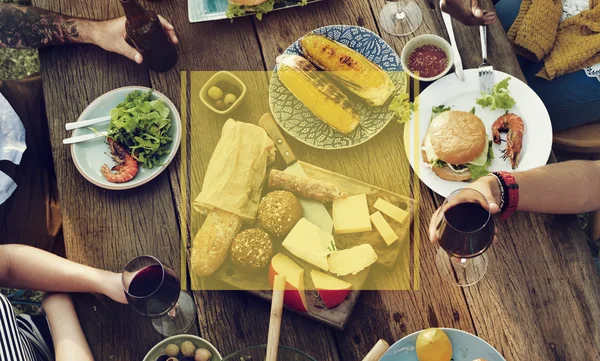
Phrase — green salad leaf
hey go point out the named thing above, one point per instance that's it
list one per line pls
(234, 10)
(142, 126)
(499, 98)
(303, 2)
(435, 111)
(481, 171)
(402, 107)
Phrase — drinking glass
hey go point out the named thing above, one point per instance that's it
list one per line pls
(465, 231)
(400, 17)
(153, 290)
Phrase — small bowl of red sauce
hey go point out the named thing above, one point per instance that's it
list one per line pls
(427, 57)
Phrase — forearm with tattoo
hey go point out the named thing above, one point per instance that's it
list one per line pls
(30, 27)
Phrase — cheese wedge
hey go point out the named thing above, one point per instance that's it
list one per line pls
(390, 210)
(351, 215)
(310, 243)
(383, 227)
(352, 260)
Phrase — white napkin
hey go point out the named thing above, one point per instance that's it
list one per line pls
(12, 133)
(12, 145)
(7, 187)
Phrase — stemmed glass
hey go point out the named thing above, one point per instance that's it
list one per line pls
(465, 230)
(153, 290)
(400, 17)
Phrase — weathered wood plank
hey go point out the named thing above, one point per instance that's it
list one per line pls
(540, 296)
(232, 46)
(103, 228)
(382, 162)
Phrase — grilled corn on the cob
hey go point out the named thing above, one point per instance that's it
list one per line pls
(352, 69)
(317, 93)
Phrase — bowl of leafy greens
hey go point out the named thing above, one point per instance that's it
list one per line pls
(143, 136)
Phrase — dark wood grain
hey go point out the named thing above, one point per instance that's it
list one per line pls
(104, 228)
(541, 296)
(382, 162)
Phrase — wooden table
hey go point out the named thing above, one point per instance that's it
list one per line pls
(539, 301)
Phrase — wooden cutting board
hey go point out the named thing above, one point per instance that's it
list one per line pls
(256, 283)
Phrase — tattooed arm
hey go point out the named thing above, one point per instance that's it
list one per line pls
(30, 27)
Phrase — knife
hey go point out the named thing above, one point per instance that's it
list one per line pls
(458, 67)
(313, 210)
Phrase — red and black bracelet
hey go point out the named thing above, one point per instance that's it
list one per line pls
(509, 190)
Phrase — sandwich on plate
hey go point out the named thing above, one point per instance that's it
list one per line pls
(242, 7)
(456, 146)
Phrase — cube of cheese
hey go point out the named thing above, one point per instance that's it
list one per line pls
(383, 227)
(390, 210)
(351, 215)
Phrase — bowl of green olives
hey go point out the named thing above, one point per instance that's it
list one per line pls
(258, 353)
(183, 348)
(223, 92)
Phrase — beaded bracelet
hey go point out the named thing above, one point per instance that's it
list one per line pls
(503, 192)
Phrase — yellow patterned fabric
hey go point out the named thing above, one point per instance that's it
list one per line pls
(565, 47)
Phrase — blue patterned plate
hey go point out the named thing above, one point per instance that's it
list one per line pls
(465, 347)
(299, 122)
(208, 10)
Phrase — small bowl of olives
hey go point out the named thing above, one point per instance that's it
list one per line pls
(183, 348)
(223, 92)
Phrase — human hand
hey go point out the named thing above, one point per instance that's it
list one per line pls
(110, 35)
(473, 17)
(487, 186)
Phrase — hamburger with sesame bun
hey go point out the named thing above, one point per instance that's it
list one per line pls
(456, 146)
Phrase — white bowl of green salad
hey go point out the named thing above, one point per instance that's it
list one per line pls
(145, 125)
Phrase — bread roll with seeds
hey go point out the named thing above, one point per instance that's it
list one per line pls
(252, 249)
(278, 212)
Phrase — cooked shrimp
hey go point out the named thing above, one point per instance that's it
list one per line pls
(126, 168)
(513, 124)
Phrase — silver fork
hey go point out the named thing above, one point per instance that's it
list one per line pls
(486, 70)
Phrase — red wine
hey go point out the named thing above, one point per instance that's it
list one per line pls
(153, 292)
(468, 230)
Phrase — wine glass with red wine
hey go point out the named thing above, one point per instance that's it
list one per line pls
(465, 231)
(152, 289)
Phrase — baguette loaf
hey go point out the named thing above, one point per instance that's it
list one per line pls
(212, 242)
(304, 186)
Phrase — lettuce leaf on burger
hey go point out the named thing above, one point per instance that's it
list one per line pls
(457, 147)
(242, 7)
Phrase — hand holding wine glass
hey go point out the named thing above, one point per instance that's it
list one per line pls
(464, 229)
(153, 289)
(488, 186)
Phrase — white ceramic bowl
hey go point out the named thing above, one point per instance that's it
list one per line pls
(89, 156)
(425, 40)
(199, 342)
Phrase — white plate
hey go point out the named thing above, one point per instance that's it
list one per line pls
(89, 156)
(537, 140)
